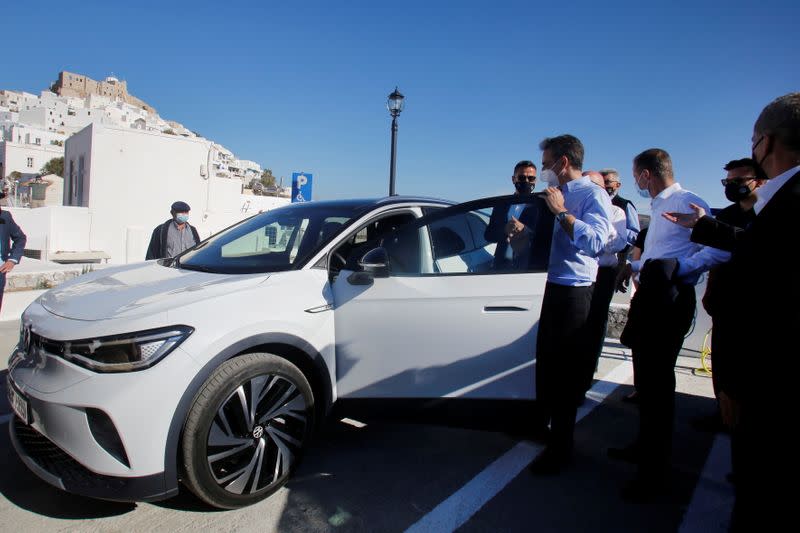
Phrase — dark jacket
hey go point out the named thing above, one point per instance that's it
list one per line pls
(719, 276)
(12, 239)
(631, 220)
(538, 218)
(656, 305)
(158, 241)
(762, 293)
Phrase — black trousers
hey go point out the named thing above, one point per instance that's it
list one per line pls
(598, 318)
(654, 367)
(562, 355)
(2, 288)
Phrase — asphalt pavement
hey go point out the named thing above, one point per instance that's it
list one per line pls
(464, 471)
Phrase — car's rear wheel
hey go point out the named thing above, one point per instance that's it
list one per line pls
(246, 430)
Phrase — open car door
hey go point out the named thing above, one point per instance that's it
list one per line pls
(444, 306)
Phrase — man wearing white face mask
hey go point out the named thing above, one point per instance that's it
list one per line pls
(564, 347)
(173, 236)
(660, 315)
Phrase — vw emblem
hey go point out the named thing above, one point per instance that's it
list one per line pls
(258, 432)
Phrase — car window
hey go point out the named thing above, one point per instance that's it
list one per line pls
(472, 238)
(277, 240)
(367, 237)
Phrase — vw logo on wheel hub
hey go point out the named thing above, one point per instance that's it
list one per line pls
(258, 432)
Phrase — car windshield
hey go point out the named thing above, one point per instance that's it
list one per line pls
(280, 239)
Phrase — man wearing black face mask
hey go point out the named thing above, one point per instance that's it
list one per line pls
(513, 229)
(12, 244)
(740, 188)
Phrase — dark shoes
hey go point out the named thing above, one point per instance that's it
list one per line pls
(629, 454)
(631, 398)
(642, 490)
(550, 462)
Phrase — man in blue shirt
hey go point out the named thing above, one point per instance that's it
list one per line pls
(563, 347)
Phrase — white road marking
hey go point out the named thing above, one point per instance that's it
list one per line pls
(469, 499)
(354, 423)
(712, 501)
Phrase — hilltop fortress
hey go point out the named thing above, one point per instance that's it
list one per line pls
(80, 86)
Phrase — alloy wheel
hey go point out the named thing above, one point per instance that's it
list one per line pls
(256, 434)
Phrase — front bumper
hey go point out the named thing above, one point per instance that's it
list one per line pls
(57, 468)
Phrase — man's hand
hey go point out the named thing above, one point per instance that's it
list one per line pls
(514, 227)
(554, 199)
(6, 267)
(730, 410)
(623, 278)
(687, 220)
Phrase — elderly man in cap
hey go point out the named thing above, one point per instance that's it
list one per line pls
(173, 236)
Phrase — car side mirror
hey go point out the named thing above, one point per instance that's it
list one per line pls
(376, 263)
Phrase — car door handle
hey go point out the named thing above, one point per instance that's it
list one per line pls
(506, 307)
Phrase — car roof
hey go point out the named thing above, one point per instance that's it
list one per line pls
(363, 204)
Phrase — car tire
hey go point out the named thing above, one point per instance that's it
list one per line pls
(246, 430)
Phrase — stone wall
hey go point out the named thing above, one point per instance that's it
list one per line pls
(31, 281)
(617, 317)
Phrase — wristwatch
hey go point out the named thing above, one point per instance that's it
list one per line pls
(561, 216)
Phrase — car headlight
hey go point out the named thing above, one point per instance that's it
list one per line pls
(121, 353)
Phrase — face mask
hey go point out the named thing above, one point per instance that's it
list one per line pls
(523, 187)
(644, 193)
(182, 219)
(2, 194)
(611, 191)
(550, 177)
(736, 192)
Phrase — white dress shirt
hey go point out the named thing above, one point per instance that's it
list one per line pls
(617, 239)
(768, 190)
(667, 240)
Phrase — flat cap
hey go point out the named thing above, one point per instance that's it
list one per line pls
(180, 207)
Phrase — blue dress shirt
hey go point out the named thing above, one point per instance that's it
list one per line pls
(573, 262)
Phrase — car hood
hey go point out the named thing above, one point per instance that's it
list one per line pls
(144, 288)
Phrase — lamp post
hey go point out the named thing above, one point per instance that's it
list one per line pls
(395, 105)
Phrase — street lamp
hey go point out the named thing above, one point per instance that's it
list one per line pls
(395, 105)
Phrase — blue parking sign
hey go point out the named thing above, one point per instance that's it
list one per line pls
(301, 187)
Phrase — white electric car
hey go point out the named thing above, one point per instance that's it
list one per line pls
(212, 369)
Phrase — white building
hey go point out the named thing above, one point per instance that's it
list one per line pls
(124, 181)
(26, 157)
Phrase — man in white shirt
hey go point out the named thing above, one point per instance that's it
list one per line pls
(660, 315)
(606, 278)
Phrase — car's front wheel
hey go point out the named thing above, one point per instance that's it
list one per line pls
(246, 430)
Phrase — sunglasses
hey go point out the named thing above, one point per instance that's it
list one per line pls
(529, 179)
(739, 181)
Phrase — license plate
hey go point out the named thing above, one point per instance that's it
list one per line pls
(19, 403)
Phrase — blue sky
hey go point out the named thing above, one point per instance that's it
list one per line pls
(303, 87)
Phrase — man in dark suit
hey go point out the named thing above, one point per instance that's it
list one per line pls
(522, 232)
(758, 399)
(12, 244)
(740, 185)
